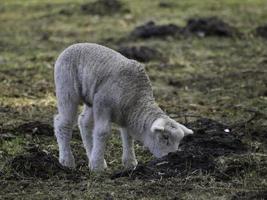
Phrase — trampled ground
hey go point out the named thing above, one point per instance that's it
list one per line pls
(208, 74)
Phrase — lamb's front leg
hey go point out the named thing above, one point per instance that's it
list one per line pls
(100, 135)
(128, 157)
(86, 122)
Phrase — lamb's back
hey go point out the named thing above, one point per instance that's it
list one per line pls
(92, 55)
(93, 66)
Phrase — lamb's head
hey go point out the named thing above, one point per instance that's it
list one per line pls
(164, 136)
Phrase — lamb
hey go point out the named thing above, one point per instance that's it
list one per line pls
(112, 89)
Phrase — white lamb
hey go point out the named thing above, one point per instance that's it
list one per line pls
(113, 89)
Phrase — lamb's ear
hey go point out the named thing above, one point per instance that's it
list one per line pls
(186, 131)
(158, 125)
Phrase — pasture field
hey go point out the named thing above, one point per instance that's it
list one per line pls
(196, 76)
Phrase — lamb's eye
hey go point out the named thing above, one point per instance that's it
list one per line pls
(165, 137)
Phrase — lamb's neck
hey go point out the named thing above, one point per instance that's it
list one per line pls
(142, 115)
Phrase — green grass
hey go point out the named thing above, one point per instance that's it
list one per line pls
(220, 78)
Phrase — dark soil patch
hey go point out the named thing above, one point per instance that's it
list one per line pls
(37, 163)
(104, 7)
(213, 136)
(210, 26)
(211, 139)
(36, 128)
(260, 195)
(262, 31)
(259, 136)
(150, 29)
(140, 53)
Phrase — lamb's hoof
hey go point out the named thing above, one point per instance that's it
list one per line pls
(130, 164)
(67, 161)
(98, 166)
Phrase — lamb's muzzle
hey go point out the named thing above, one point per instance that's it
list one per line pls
(112, 89)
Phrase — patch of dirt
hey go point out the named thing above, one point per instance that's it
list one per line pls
(211, 139)
(150, 29)
(104, 7)
(36, 128)
(259, 136)
(213, 136)
(251, 195)
(209, 26)
(37, 163)
(262, 31)
(140, 53)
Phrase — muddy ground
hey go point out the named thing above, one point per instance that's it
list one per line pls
(207, 65)
(197, 153)
(141, 53)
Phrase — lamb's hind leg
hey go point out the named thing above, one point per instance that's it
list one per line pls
(63, 124)
(128, 157)
(86, 122)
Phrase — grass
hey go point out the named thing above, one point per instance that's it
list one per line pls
(219, 78)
